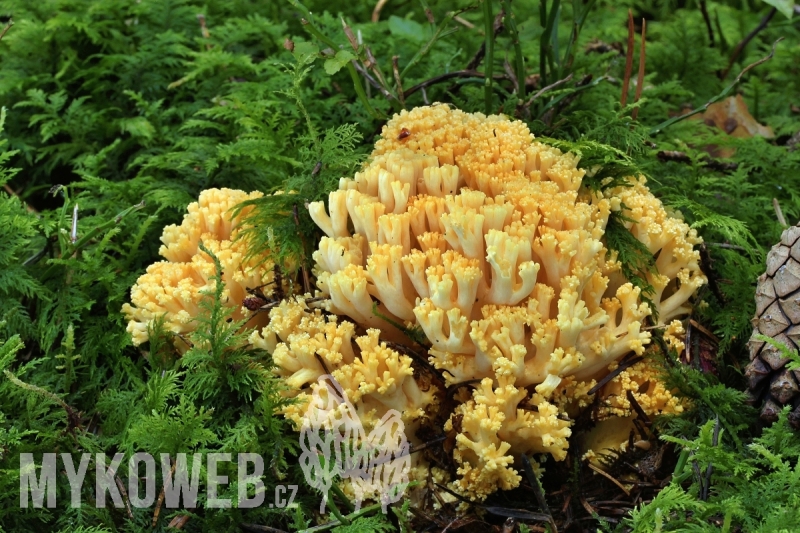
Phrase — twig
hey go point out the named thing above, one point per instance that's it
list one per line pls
(744, 42)
(640, 77)
(11, 192)
(707, 19)
(73, 415)
(489, 63)
(376, 13)
(179, 521)
(638, 408)
(372, 81)
(614, 373)
(779, 213)
(448, 76)
(5, 30)
(124, 492)
(550, 87)
(160, 500)
(397, 80)
(610, 478)
(464, 22)
(717, 98)
(628, 61)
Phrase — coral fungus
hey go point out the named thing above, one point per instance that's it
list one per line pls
(466, 228)
(174, 288)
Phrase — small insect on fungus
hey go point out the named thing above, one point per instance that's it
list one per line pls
(404, 134)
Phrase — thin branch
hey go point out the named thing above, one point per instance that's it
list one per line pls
(614, 373)
(779, 213)
(376, 13)
(744, 42)
(449, 76)
(5, 30)
(397, 80)
(548, 88)
(372, 81)
(124, 492)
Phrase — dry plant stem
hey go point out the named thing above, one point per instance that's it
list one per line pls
(5, 30)
(372, 81)
(779, 213)
(73, 416)
(624, 364)
(610, 478)
(464, 22)
(449, 76)
(11, 192)
(160, 500)
(628, 61)
(376, 13)
(124, 492)
(179, 521)
(396, 72)
(548, 88)
(744, 42)
(640, 77)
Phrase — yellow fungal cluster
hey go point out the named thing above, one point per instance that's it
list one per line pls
(466, 228)
(173, 288)
(467, 255)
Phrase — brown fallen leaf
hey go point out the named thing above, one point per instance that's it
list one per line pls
(732, 116)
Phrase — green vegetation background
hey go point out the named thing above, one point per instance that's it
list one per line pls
(125, 110)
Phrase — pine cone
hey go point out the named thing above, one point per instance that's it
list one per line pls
(777, 316)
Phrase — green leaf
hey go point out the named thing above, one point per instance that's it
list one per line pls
(786, 7)
(305, 52)
(407, 28)
(335, 63)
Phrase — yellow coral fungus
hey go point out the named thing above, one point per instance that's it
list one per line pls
(172, 288)
(468, 229)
